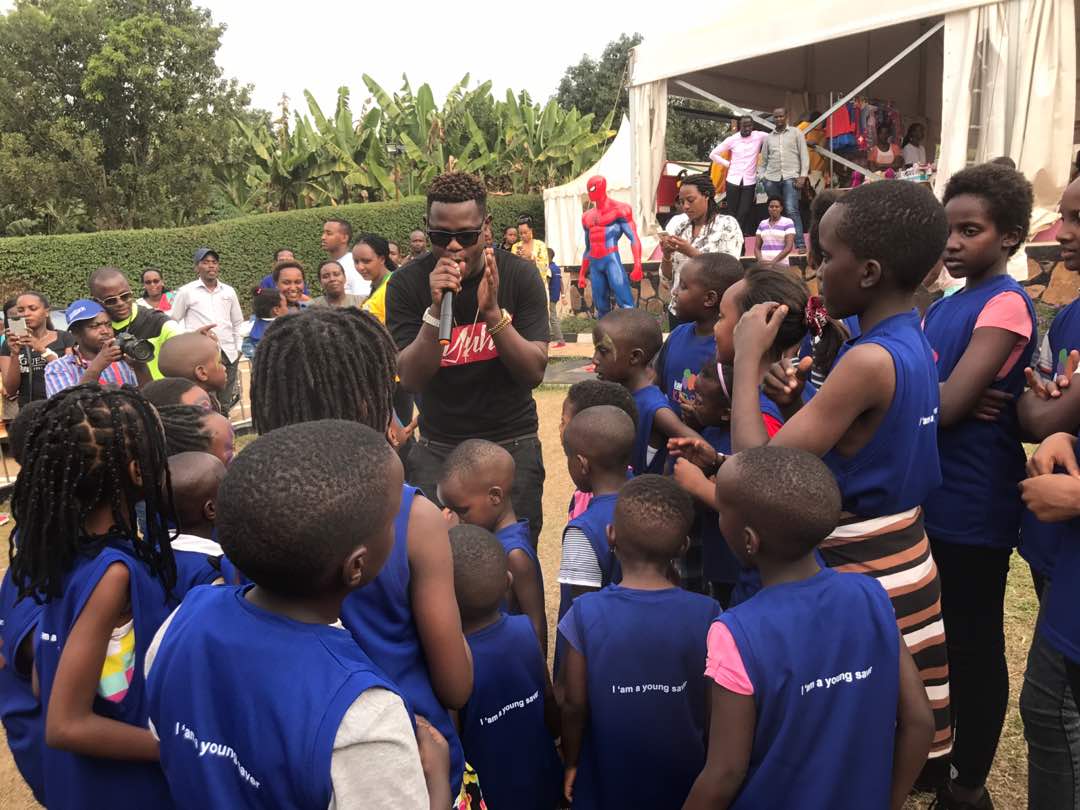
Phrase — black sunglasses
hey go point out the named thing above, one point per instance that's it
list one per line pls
(466, 238)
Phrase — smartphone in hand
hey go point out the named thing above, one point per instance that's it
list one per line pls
(18, 326)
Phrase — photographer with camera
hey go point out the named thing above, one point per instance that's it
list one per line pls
(149, 327)
(97, 356)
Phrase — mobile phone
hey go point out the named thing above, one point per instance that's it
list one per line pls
(18, 326)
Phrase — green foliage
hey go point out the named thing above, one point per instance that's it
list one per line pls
(59, 265)
(600, 87)
(108, 109)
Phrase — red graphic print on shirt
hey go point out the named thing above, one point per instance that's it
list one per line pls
(469, 344)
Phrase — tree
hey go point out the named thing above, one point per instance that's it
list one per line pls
(119, 101)
(600, 86)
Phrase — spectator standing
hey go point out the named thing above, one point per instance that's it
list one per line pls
(913, 149)
(332, 281)
(110, 288)
(775, 235)
(336, 239)
(155, 294)
(395, 253)
(510, 237)
(36, 345)
(280, 255)
(417, 244)
(531, 249)
(554, 296)
(700, 228)
(786, 168)
(480, 385)
(884, 154)
(745, 147)
(372, 256)
(290, 280)
(95, 357)
(210, 302)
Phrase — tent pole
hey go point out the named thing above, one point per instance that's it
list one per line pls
(735, 108)
(873, 76)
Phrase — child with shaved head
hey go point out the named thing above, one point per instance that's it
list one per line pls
(474, 487)
(598, 442)
(196, 357)
(634, 684)
(196, 478)
(512, 750)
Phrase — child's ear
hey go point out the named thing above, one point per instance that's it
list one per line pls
(752, 541)
(352, 570)
(135, 473)
(684, 547)
(200, 374)
(611, 536)
(584, 463)
(871, 274)
(712, 299)
(509, 581)
(637, 357)
(1011, 239)
(495, 495)
(209, 510)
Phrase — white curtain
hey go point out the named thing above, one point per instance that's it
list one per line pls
(648, 121)
(1009, 88)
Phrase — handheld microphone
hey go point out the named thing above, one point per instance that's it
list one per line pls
(446, 318)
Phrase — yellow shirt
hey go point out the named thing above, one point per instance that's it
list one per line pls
(376, 302)
(539, 258)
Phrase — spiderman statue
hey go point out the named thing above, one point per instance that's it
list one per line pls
(605, 223)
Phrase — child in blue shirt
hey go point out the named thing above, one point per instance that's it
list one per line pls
(625, 342)
(635, 696)
(597, 442)
(95, 453)
(510, 724)
(810, 666)
(586, 394)
(982, 337)
(702, 283)
(267, 304)
(349, 735)
(475, 488)
(196, 478)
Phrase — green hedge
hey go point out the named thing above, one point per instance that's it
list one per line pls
(59, 265)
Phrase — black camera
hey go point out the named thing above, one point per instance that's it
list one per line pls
(135, 348)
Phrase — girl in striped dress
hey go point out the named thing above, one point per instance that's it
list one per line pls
(874, 421)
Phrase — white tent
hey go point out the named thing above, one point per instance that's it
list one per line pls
(564, 205)
(987, 78)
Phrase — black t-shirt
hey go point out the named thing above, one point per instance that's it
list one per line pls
(32, 366)
(473, 395)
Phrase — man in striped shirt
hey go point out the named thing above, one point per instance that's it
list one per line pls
(96, 358)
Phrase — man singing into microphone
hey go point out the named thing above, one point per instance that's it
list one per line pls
(479, 385)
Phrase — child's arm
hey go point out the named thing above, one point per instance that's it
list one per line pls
(70, 722)
(914, 730)
(528, 593)
(693, 481)
(731, 739)
(668, 424)
(986, 353)
(431, 592)
(552, 718)
(575, 712)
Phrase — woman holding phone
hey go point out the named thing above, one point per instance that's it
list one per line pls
(31, 339)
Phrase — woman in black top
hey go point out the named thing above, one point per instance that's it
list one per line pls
(36, 349)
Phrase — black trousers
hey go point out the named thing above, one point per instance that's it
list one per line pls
(425, 462)
(740, 200)
(973, 608)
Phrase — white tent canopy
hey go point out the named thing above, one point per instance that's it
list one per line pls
(999, 80)
(563, 205)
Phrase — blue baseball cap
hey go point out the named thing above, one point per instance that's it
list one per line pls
(82, 310)
(203, 252)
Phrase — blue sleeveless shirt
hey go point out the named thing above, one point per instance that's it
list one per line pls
(71, 778)
(516, 537)
(379, 616)
(899, 466)
(649, 400)
(20, 710)
(645, 658)
(981, 462)
(823, 657)
(718, 563)
(1039, 542)
(685, 354)
(593, 523)
(502, 725)
(295, 680)
(1059, 622)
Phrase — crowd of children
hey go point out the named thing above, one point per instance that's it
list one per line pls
(781, 580)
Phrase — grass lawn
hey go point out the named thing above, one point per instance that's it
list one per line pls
(1008, 779)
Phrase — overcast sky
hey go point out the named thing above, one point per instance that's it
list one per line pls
(289, 46)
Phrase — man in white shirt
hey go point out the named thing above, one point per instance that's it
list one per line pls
(337, 241)
(207, 301)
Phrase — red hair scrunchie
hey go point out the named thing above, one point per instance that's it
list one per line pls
(817, 317)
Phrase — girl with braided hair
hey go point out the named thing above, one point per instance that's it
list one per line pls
(340, 364)
(104, 584)
(191, 428)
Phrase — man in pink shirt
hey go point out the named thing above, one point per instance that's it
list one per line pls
(744, 145)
